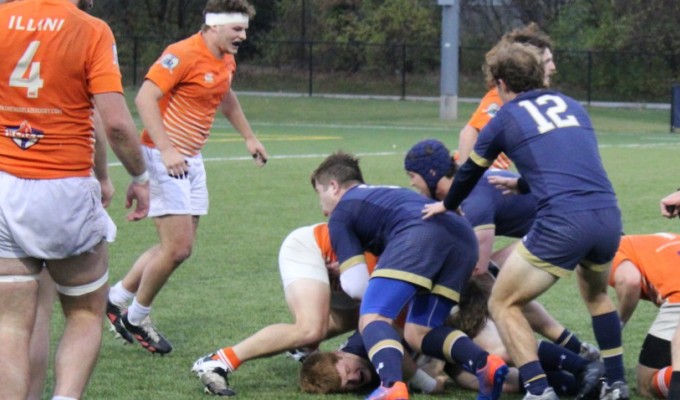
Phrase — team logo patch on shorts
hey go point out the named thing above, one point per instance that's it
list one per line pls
(169, 61)
(24, 135)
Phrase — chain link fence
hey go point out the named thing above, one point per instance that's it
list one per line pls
(412, 70)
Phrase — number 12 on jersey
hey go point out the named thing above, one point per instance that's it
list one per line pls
(553, 117)
(24, 67)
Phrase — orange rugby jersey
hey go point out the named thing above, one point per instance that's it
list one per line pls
(193, 82)
(54, 58)
(323, 239)
(487, 109)
(657, 257)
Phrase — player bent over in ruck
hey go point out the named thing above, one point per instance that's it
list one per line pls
(423, 264)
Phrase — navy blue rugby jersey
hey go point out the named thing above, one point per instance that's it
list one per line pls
(355, 345)
(551, 140)
(486, 206)
(367, 217)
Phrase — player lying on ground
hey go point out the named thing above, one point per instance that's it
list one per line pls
(348, 369)
(319, 308)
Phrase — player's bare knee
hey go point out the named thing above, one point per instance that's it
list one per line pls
(414, 338)
(179, 254)
(311, 334)
(366, 319)
(496, 306)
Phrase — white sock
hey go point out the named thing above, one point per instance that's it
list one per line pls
(120, 296)
(63, 398)
(421, 380)
(137, 312)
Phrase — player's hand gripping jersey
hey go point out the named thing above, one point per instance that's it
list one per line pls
(487, 207)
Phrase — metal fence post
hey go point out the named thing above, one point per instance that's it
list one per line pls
(134, 61)
(675, 107)
(590, 76)
(403, 71)
(311, 67)
(450, 43)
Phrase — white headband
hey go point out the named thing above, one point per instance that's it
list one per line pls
(213, 19)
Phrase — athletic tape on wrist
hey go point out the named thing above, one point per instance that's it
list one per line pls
(423, 381)
(141, 178)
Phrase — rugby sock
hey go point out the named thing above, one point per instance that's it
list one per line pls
(661, 381)
(607, 329)
(534, 378)
(554, 357)
(120, 296)
(422, 381)
(674, 388)
(568, 340)
(454, 346)
(227, 356)
(564, 383)
(63, 398)
(385, 351)
(137, 312)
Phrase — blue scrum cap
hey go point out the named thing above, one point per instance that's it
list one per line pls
(431, 160)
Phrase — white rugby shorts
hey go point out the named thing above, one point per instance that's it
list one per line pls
(666, 321)
(111, 229)
(172, 196)
(300, 258)
(50, 219)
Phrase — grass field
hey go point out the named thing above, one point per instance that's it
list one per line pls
(230, 286)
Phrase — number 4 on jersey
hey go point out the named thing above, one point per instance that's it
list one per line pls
(25, 67)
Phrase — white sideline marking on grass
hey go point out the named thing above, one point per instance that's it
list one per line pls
(394, 153)
(286, 157)
(639, 145)
(298, 156)
(341, 126)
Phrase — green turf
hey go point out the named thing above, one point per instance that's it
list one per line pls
(230, 286)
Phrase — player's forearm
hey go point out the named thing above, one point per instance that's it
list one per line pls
(150, 114)
(240, 123)
(121, 131)
(128, 151)
(485, 238)
(101, 169)
(465, 181)
(231, 109)
(628, 298)
(466, 141)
